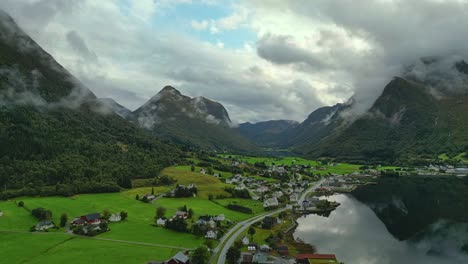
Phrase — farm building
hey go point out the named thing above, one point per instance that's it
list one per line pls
(44, 225)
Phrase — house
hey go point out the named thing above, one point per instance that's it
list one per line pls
(44, 225)
(161, 222)
(202, 171)
(149, 197)
(260, 258)
(90, 219)
(265, 248)
(219, 218)
(312, 258)
(246, 258)
(293, 197)
(1, 213)
(211, 234)
(181, 214)
(271, 202)
(179, 258)
(283, 250)
(115, 218)
(255, 197)
(245, 240)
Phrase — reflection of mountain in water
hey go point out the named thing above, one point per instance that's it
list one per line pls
(410, 205)
(356, 235)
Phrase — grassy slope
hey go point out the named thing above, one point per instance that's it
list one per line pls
(58, 248)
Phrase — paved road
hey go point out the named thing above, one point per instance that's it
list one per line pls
(244, 225)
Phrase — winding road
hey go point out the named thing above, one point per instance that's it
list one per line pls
(240, 227)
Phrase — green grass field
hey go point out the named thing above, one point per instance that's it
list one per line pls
(340, 168)
(206, 184)
(59, 248)
(273, 160)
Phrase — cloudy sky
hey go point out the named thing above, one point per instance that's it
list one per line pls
(264, 59)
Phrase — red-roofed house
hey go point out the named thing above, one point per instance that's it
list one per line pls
(309, 258)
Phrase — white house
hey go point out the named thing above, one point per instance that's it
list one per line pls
(245, 240)
(44, 225)
(220, 218)
(270, 202)
(115, 218)
(211, 234)
(293, 197)
(161, 222)
(1, 213)
(202, 171)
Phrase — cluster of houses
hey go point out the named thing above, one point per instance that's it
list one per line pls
(210, 223)
(269, 192)
(442, 169)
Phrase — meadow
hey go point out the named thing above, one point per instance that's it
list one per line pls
(44, 248)
(56, 246)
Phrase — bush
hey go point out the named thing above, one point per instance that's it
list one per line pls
(240, 208)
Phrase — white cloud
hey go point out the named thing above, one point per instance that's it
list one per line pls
(199, 25)
(307, 53)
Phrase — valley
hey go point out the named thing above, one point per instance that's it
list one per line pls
(136, 165)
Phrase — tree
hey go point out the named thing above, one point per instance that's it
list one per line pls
(41, 213)
(160, 212)
(137, 197)
(21, 204)
(238, 244)
(177, 224)
(152, 190)
(190, 213)
(192, 168)
(106, 214)
(63, 220)
(282, 215)
(233, 254)
(104, 225)
(209, 243)
(123, 215)
(201, 255)
(252, 232)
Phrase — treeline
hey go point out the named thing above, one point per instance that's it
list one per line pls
(239, 208)
(65, 151)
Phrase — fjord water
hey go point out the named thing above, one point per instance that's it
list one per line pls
(356, 235)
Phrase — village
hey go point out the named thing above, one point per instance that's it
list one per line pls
(284, 193)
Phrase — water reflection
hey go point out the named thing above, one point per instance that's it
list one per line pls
(355, 234)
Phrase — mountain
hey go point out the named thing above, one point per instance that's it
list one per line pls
(55, 136)
(299, 137)
(115, 107)
(267, 133)
(416, 117)
(197, 122)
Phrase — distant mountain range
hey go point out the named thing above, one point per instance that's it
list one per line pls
(415, 118)
(419, 115)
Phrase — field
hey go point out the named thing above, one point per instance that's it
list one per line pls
(56, 246)
(273, 160)
(60, 248)
(206, 184)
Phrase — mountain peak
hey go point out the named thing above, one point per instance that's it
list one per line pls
(169, 90)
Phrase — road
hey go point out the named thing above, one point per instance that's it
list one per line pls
(244, 225)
